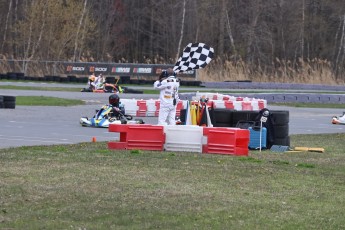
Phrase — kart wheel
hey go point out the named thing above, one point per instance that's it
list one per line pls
(128, 117)
(140, 121)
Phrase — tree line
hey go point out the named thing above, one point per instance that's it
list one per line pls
(279, 40)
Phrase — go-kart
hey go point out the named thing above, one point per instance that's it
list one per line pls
(339, 120)
(105, 88)
(104, 117)
(112, 88)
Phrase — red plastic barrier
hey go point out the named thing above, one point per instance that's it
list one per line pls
(210, 104)
(138, 136)
(179, 106)
(141, 112)
(229, 104)
(261, 105)
(247, 105)
(226, 141)
(157, 103)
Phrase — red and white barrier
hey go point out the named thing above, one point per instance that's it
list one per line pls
(183, 138)
(150, 108)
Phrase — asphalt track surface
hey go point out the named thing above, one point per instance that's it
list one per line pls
(52, 125)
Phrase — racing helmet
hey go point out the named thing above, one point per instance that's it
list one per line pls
(164, 74)
(92, 77)
(114, 100)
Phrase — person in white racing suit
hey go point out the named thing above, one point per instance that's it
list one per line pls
(99, 82)
(168, 85)
(91, 82)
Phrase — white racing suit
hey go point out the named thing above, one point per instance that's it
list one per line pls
(168, 100)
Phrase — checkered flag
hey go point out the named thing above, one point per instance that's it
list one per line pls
(195, 56)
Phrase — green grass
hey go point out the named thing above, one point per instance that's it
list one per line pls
(182, 90)
(88, 186)
(41, 88)
(46, 101)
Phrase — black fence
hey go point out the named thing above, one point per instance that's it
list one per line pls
(58, 68)
(84, 79)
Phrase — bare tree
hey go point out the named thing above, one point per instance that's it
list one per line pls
(6, 25)
(182, 30)
(76, 41)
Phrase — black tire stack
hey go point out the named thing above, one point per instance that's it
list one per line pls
(222, 118)
(230, 118)
(110, 80)
(280, 121)
(7, 102)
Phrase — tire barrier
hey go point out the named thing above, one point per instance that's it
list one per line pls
(15, 76)
(7, 102)
(183, 138)
(2, 105)
(278, 134)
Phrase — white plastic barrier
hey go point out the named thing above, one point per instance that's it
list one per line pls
(237, 105)
(219, 104)
(151, 108)
(187, 138)
(131, 106)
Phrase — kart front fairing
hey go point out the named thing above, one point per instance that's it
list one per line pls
(101, 119)
(339, 120)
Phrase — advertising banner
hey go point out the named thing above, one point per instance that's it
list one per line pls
(120, 69)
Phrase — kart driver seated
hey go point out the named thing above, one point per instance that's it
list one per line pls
(117, 109)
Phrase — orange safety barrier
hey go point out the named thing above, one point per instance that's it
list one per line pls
(220, 140)
(138, 136)
(142, 110)
(247, 105)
